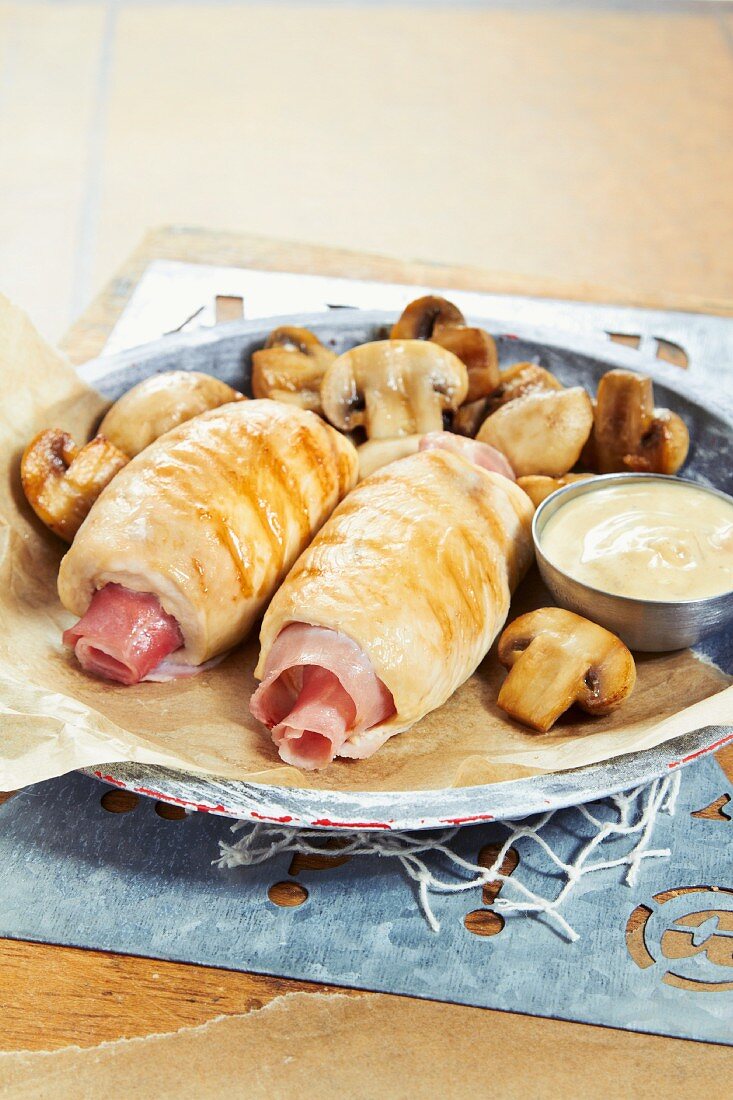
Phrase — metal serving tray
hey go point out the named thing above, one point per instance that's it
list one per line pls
(225, 352)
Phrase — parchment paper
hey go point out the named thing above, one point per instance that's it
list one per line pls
(338, 1047)
(54, 717)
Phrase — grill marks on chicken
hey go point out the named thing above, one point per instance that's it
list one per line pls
(416, 568)
(210, 517)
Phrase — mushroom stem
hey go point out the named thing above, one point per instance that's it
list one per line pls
(545, 684)
(629, 433)
(426, 402)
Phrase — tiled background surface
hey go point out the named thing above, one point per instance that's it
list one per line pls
(591, 142)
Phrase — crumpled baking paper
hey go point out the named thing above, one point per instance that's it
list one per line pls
(334, 1045)
(55, 718)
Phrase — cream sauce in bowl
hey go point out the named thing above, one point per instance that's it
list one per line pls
(653, 539)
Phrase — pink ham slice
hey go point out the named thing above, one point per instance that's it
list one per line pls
(481, 454)
(318, 689)
(123, 635)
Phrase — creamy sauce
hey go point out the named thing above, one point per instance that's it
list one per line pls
(652, 540)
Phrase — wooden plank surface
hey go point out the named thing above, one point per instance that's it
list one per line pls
(87, 337)
(53, 996)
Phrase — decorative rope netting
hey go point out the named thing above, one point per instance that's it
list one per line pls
(627, 819)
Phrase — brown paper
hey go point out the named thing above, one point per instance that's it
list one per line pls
(338, 1047)
(54, 717)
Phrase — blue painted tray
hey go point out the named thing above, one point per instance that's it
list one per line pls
(657, 957)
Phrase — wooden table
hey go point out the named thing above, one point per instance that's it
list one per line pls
(51, 997)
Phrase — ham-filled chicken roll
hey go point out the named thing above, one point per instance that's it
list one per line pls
(182, 550)
(391, 607)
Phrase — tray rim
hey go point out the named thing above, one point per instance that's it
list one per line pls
(439, 808)
(428, 809)
(685, 382)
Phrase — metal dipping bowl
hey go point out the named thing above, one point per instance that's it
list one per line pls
(652, 626)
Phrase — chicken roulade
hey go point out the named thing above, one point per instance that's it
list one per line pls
(391, 607)
(182, 550)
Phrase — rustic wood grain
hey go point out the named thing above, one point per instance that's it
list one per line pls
(725, 759)
(484, 922)
(54, 997)
(50, 996)
(715, 811)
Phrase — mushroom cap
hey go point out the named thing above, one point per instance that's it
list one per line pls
(515, 381)
(557, 658)
(290, 367)
(519, 380)
(160, 403)
(297, 338)
(393, 388)
(543, 432)
(667, 444)
(422, 317)
(469, 418)
(477, 350)
(437, 319)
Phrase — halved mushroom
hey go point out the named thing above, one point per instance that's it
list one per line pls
(291, 367)
(541, 433)
(376, 453)
(437, 319)
(557, 658)
(420, 318)
(516, 381)
(160, 403)
(61, 481)
(469, 418)
(521, 379)
(629, 433)
(539, 488)
(393, 388)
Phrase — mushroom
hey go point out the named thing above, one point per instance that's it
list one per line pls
(376, 453)
(538, 487)
(556, 658)
(393, 388)
(291, 367)
(422, 317)
(470, 417)
(629, 433)
(437, 319)
(541, 433)
(160, 403)
(61, 481)
(521, 379)
(515, 381)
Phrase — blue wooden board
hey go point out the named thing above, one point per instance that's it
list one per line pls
(72, 873)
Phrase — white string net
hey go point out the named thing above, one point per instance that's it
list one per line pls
(621, 833)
